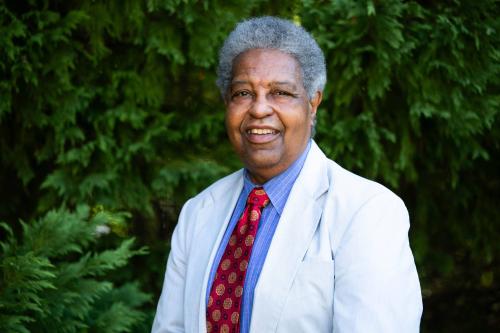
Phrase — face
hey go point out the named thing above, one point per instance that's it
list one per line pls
(269, 114)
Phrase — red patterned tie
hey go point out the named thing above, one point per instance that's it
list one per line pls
(224, 302)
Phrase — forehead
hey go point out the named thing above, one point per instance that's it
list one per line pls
(266, 66)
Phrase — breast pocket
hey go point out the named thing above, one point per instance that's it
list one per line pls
(309, 305)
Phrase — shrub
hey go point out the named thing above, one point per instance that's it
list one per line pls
(52, 280)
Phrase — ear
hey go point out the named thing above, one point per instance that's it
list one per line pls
(314, 103)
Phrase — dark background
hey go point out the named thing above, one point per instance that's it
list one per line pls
(110, 106)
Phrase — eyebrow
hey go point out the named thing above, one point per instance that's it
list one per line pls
(274, 83)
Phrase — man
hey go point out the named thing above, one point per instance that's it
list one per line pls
(293, 242)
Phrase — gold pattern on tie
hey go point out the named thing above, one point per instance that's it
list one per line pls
(224, 302)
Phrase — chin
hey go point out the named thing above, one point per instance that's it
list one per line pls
(265, 168)
(261, 158)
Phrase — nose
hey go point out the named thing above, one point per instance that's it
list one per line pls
(260, 107)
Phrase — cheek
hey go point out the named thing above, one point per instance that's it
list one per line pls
(299, 125)
(231, 121)
(233, 125)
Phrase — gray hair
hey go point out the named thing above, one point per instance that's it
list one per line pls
(269, 32)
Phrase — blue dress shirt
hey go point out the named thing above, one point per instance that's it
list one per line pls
(277, 188)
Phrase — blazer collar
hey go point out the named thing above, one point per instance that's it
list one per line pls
(290, 242)
(213, 221)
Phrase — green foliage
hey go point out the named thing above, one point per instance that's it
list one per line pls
(412, 100)
(113, 103)
(52, 281)
(99, 94)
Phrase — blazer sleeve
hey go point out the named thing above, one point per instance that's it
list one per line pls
(169, 316)
(376, 282)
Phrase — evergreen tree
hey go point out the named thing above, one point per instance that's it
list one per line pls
(113, 103)
(52, 281)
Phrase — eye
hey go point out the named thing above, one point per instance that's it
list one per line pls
(283, 93)
(241, 93)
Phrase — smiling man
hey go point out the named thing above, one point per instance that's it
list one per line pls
(293, 242)
(269, 114)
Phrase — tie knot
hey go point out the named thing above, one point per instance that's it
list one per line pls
(258, 197)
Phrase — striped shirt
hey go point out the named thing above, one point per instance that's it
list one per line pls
(277, 188)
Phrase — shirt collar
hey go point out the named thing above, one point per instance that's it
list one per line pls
(278, 188)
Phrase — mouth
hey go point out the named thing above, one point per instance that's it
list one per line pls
(261, 135)
(261, 131)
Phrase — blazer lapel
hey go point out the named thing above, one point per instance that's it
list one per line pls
(290, 242)
(213, 219)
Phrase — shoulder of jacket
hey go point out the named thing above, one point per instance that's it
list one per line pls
(356, 203)
(348, 186)
(219, 188)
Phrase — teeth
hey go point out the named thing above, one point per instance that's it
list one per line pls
(261, 131)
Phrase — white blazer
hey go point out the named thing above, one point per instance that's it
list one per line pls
(339, 260)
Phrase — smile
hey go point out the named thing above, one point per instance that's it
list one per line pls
(261, 131)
